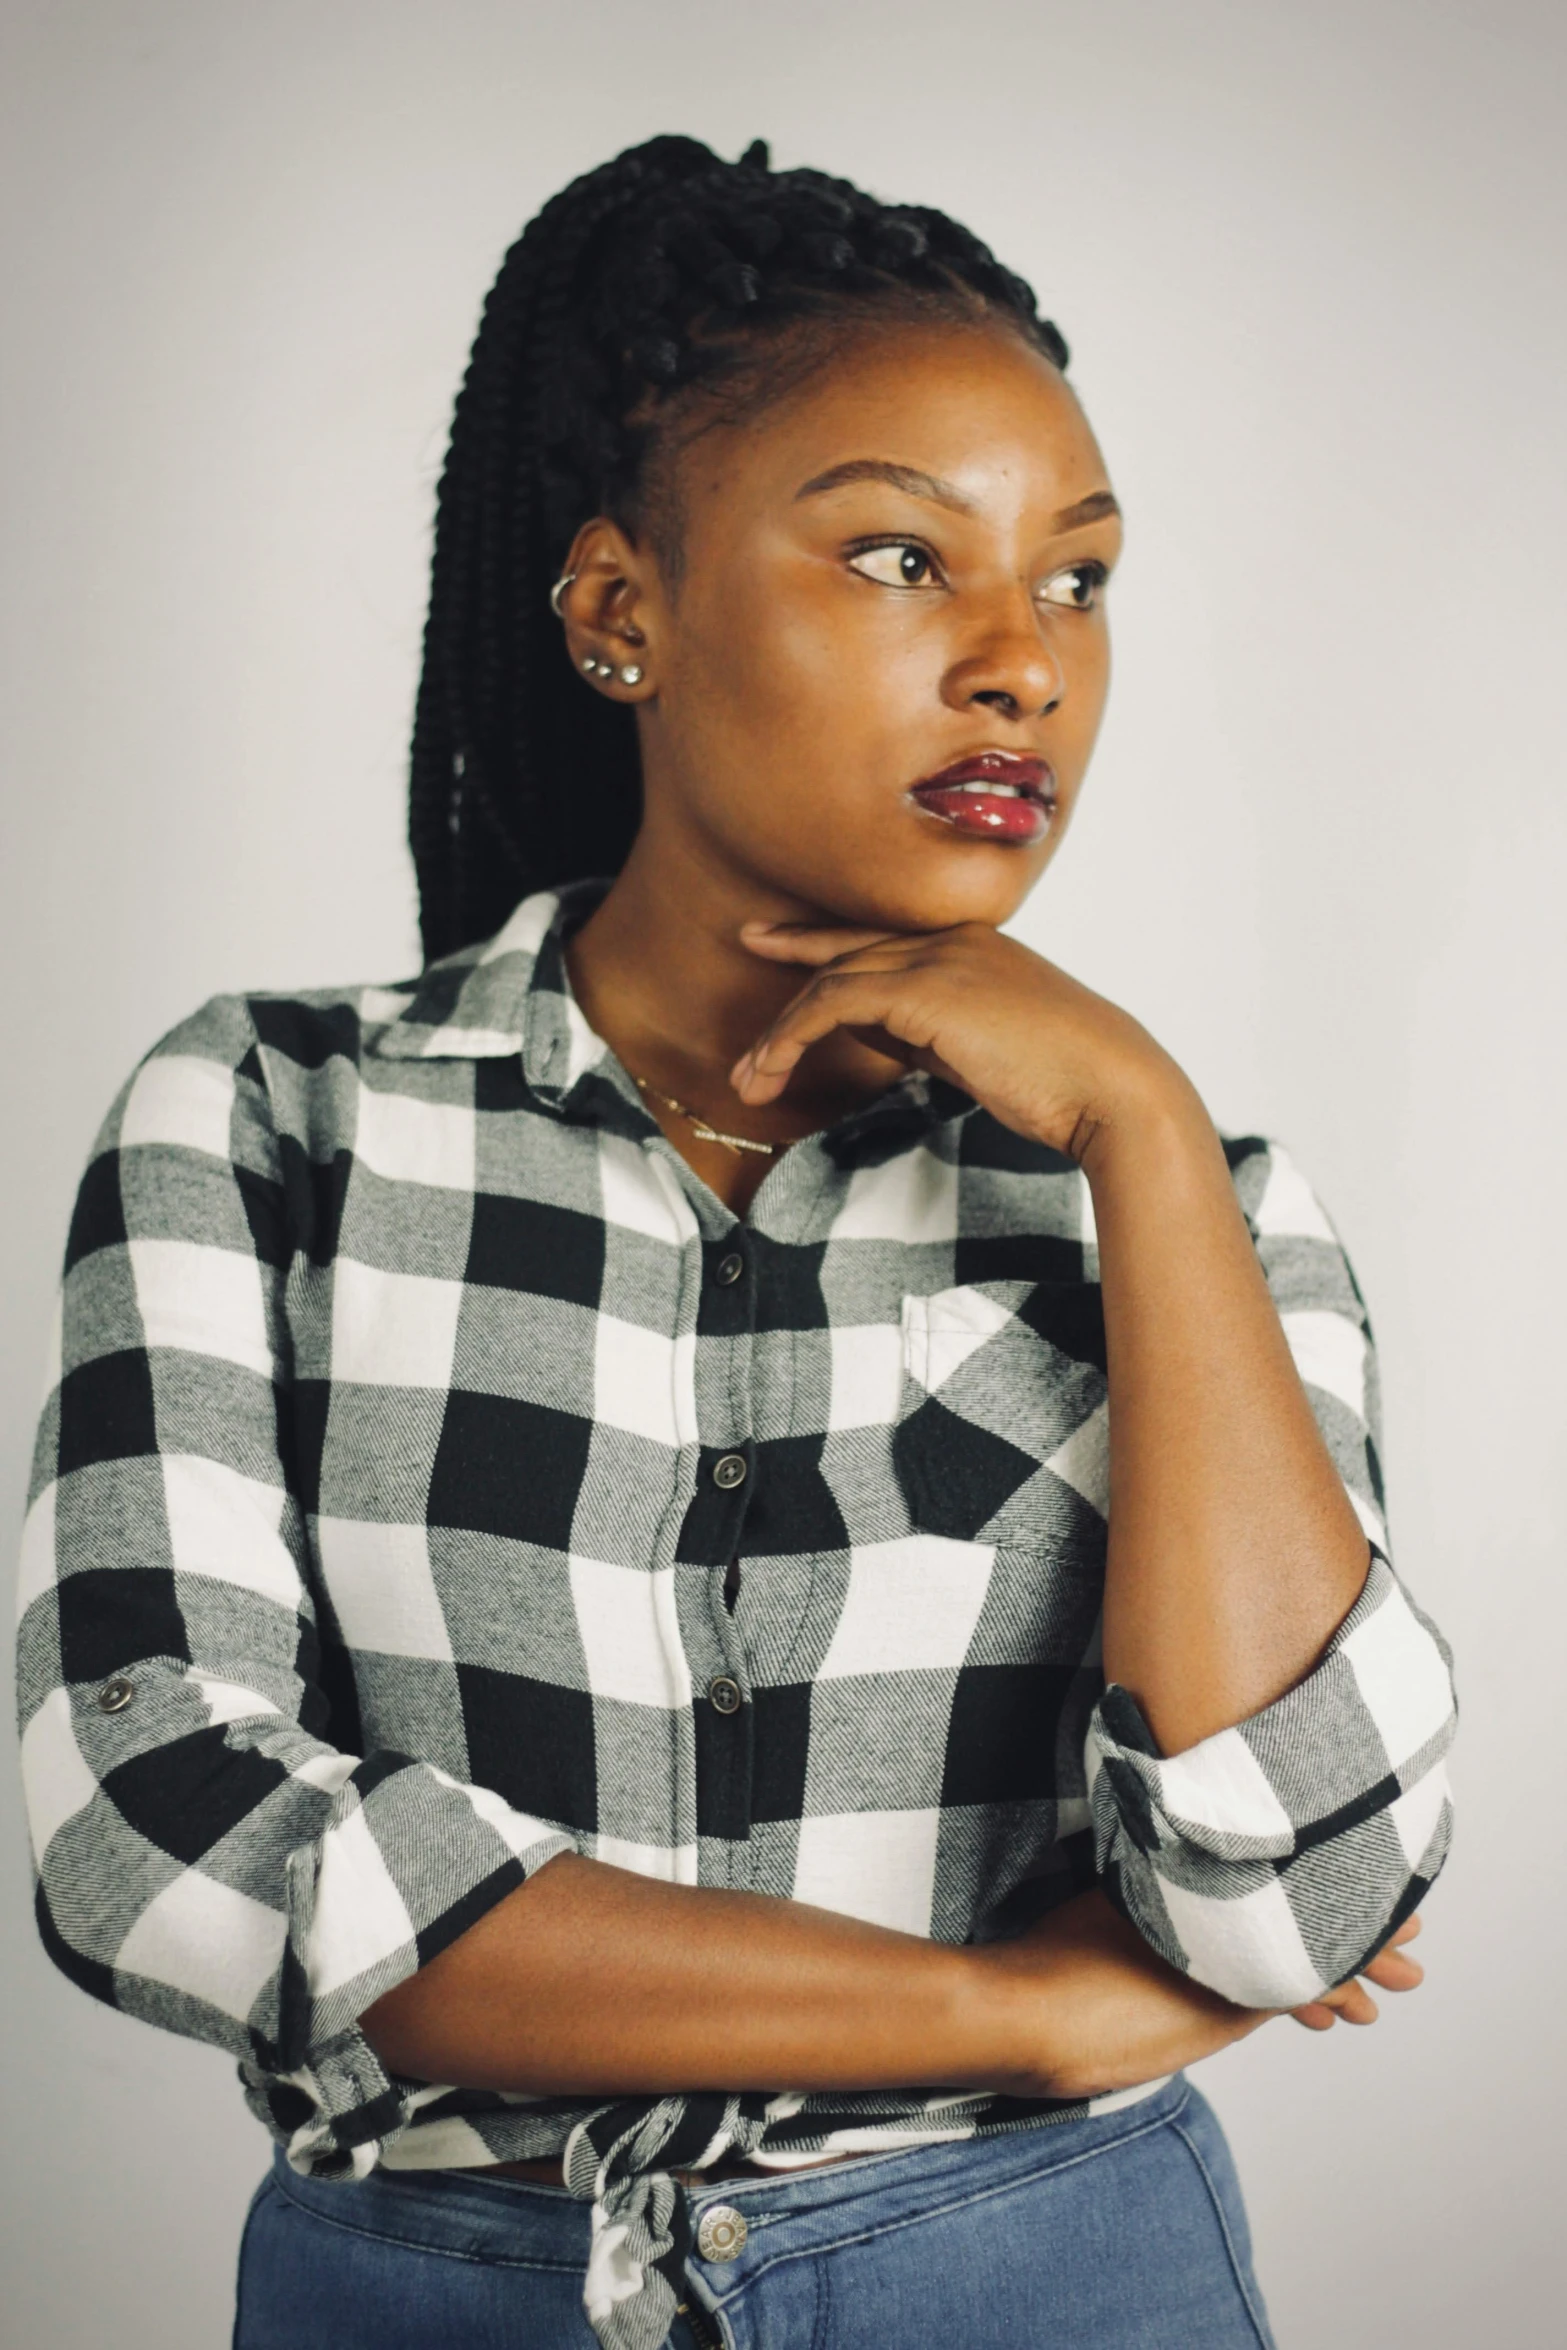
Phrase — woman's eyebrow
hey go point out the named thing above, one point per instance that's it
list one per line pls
(907, 478)
(1096, 507)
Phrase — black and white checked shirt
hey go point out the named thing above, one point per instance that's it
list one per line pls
(413, 1400)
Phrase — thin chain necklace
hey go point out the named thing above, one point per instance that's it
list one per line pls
(702, 1130)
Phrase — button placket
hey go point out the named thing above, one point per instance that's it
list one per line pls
(712, 1534)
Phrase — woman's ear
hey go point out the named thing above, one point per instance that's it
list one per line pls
(608, 603)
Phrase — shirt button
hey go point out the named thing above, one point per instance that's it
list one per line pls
(721, 2232)
(729, 1268)
(116, 1695)
(729, 1471)
(724, 1697)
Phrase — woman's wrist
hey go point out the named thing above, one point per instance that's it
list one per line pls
(1079, 2007)
(1153, 1120)
(1020, 2018)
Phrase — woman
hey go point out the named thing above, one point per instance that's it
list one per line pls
(564, 1591)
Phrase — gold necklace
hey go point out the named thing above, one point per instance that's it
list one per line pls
(703, 1131)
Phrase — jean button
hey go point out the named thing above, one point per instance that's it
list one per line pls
(721, 2232)
(724, 1695)
(729, 1471)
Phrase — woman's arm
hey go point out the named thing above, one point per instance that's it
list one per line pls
(207, 1855)
(1234, 1553)
(593, 1979)
(1266, 1767)
(589, 1979)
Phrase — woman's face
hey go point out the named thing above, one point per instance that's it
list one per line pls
(877, 684)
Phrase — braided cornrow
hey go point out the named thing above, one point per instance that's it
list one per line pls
(649, 290)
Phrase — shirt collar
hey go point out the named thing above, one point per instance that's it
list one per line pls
(512, 995)
(508, 995)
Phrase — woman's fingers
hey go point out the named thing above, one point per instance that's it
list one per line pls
(806, 943)
(1351, 2001)
(834, 999)
(1392, 1971)
(857, 974)
(1392, 1968)
(803, 942)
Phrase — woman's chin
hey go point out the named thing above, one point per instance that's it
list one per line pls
(930, 893)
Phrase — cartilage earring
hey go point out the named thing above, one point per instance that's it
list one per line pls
(558, 590)
(631, 674)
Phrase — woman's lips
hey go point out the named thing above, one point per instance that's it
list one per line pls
(992, 796)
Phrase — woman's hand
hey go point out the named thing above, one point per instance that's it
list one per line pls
(1041, 1052)
(1390, 1970)
(1085, 2007)
(1080, 2006)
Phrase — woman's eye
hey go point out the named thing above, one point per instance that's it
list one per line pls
(1078, 587)
(900, 564)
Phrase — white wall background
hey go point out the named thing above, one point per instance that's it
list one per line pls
(1309, 254)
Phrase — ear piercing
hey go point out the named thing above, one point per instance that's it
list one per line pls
(592, 666)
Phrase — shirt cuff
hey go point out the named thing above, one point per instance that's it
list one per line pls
(408, 1860)
(1270, 1860)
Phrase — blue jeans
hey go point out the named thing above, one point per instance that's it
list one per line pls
(1122, 2233)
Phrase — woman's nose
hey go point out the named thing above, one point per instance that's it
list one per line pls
(1012, 668)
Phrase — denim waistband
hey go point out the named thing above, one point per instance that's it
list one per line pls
(524, 2223)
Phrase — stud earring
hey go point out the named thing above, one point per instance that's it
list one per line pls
(603, 669)
(589, 664)
(631, 674)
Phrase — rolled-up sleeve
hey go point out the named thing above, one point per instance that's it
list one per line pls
(1271, 1860)
(208, 1854)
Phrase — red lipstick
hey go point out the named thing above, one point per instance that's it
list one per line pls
(992, 795)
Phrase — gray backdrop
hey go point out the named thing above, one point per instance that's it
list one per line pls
(1309, 257)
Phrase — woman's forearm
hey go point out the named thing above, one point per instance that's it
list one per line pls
(590, 1980)
(1234, 1553)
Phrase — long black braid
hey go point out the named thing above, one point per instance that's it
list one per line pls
(665, 282)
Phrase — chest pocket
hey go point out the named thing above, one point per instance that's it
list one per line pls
(1003, 1431)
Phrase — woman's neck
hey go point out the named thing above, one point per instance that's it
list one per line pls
(660, 973)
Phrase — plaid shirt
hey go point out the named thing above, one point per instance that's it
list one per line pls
(413, 1400)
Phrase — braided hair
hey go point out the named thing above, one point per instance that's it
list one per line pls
(661, 291)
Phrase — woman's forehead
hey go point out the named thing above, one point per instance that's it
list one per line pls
(963, 419)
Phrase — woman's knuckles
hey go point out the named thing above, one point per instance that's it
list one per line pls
(1031, 1044)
